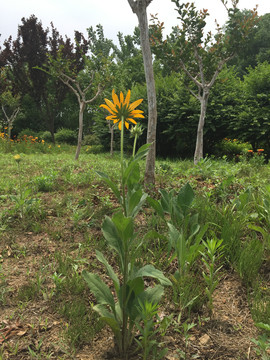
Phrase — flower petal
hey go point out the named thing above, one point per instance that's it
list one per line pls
(121, 98)
(127, 98)
(134, 104)
(115, 98)
(137, 115)
(111, 105)
(131, 120)
(107, 108)
(111, 117)
(127, 124)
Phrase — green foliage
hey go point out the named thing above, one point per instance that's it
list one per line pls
(45, 182)
(66, 136)
(250, 260)
(46, 136)
(210, 257)
(231, 148)
(122, 314)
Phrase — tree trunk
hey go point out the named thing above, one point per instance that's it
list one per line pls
(80, 134)
(198, 155)
(139, 7)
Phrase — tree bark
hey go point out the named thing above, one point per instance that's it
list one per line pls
(198, 154)
(80, 134)
(139, 8)
(10, 119)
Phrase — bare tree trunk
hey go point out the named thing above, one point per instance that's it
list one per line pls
(139, 8)
(198, 155)
(10, 119)
(80, 134)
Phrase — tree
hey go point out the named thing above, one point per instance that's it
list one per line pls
(80, 83)
(257, 48)
(139, 8)
(10, 102)
(28, 53)
(201, 57)
(254, 121)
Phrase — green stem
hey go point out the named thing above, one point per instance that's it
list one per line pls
(134, 145)
(122, 166)
(20, 189)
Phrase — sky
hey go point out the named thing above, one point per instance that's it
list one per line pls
(114, 15)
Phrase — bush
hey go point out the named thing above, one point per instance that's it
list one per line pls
(95, 149)
(91, 139)
(27, 132)
(46, 136)
(66, 136)
(231, 148)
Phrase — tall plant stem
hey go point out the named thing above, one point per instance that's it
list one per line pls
(122, 166)
(20, 189)
(134, 145)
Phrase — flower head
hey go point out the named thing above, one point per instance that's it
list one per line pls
(260, 150)
(136, 130)
(120, 108)
(17, 158)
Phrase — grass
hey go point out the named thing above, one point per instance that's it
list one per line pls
(45, 247)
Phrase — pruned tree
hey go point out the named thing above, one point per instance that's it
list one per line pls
(81, 94)
(10, 101)
(202, 56)
(139, 8)
(81, 83)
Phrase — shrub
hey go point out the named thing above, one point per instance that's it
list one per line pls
(67, 136)
(46, 136)
(91, 139)
(27, 132)
(95, 149)
(231, 148)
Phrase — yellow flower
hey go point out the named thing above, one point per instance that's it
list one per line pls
(17, 157)
(121, 108)
(59, 146)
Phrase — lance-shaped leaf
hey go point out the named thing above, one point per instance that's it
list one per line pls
(135, 202)
(185, 197)
(151, 271)
(99, 289)
(111, 184)
(110, 271)
(155, 204)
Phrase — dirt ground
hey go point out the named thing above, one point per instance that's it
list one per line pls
(227, 335)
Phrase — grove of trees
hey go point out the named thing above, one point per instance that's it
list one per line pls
(238, 105)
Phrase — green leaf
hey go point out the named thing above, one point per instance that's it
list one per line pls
(99, 289)
(111, 273)
(155, 204)
(112, 236)
(135, 202)
(142, 151)
(111, 184)
(124, 226)
(152, 295)
(151, 271)
(185, 197)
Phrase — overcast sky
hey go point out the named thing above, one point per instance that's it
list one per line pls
(113, 15)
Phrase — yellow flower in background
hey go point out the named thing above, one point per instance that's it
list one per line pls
(120, 109)
(17, 157)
